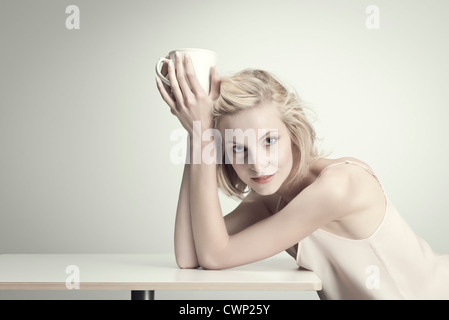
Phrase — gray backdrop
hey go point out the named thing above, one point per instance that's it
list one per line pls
(85, 137)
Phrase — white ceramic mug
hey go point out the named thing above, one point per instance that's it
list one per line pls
(203, 61)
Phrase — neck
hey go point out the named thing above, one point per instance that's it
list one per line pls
(289, 191)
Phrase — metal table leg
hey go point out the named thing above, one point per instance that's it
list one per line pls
(142, 295)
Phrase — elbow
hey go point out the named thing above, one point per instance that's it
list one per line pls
(211, 262)
(187, 265)
(211, 267)
(184, 262)
(206, 264)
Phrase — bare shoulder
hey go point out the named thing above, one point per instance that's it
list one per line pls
(346, 180)
(355, 193)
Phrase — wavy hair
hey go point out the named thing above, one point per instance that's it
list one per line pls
(250, 88)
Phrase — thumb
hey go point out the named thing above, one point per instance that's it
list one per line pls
(215, 82)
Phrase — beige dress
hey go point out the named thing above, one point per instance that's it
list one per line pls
(392, 263)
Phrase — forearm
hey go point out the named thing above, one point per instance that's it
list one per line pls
(208, 225)
(185, 251)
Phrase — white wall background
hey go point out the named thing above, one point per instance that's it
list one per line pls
(85, 137)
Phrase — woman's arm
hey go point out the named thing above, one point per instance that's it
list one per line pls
(330, 197)
(184, 244)
(251, 210)
(208, 225)
(185, 251)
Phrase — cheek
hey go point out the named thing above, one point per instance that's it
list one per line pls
(241, 171)
(285, 157)
(238, 168)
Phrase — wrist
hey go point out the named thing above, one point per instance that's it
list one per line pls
(205, 145)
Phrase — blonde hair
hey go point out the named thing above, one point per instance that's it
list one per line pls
(250, 88)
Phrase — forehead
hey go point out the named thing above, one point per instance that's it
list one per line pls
(264, 116)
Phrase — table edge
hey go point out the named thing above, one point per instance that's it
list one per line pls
(226, 286)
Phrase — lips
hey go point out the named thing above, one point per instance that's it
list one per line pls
(263, 179)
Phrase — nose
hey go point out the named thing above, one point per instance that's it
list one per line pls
(259, 163)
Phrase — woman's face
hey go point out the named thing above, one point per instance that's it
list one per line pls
(258, 145)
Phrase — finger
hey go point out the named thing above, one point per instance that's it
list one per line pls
(174, 85)
(195, 85)
(181, 76)
(164, 69)
(215, 82)
(166, 96)
(164, 72)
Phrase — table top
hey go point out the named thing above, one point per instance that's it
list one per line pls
(146, 272)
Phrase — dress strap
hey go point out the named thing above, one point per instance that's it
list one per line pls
(358, 164)
(350, 162)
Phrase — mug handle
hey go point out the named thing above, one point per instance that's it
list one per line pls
(158, 70)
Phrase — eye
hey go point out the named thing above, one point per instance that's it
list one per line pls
(238, 149)
(270, 140)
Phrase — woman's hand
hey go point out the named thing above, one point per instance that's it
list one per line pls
(186, 98)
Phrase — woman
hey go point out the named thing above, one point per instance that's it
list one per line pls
(331, 215)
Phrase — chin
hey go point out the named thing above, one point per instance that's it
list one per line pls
(265, 190)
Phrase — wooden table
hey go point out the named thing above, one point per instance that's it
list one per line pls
(142, 274)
